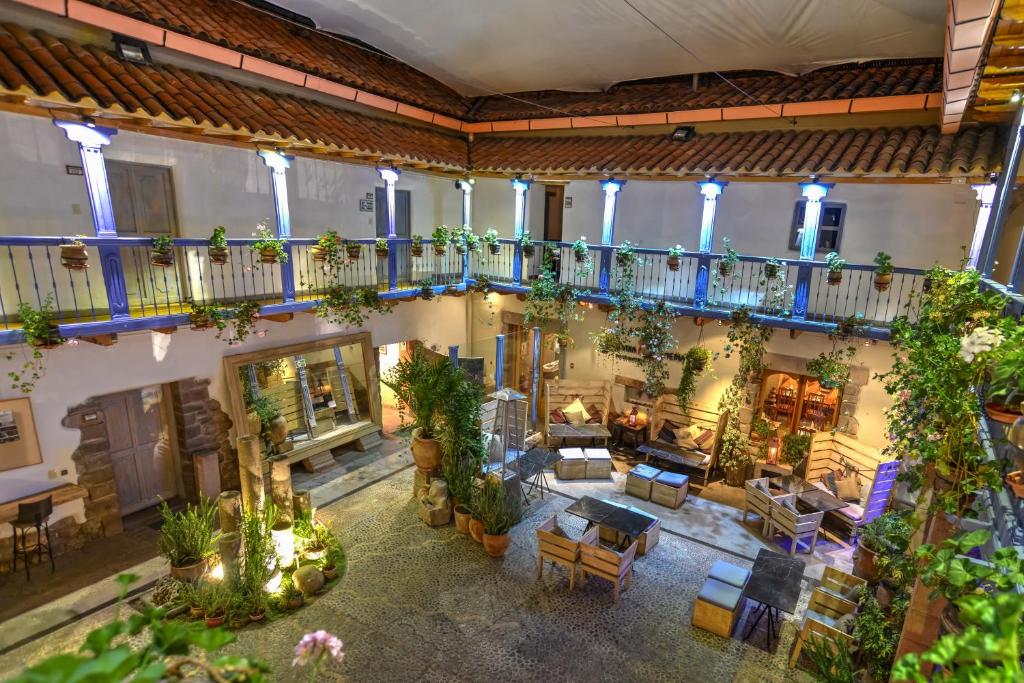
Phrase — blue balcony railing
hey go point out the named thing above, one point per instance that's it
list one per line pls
(123, 290)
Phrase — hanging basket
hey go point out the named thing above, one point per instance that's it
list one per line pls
(882, 281)
(381, 253)
(495, 249)
(771, 270)
(440, 249)
(199, 321)
(674, 262)
(74, 256)
(218, 255)
(724, 269)
(417, 250)
(581, 256)
(353, 251)
(460, 249)
(319, 253)
(161, 258)
(529, 250)
(835, 277)
(268, 255)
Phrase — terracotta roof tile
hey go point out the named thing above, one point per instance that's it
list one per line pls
(57, 67)
(885, 152)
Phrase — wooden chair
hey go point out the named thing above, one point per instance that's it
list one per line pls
(842, 585)
(757, 501)
(607, 564)
(554, 545)
(793, 524)
(822, 620)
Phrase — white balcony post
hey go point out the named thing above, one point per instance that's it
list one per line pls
(711, 189)
(813, 192)
(390, 175)
(467, 201)
(986, 193)
(519, 186)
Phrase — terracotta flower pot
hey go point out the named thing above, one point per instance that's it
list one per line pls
(295, 602)
(496, 546)
(319, 253)
(74, 256)
(476, 529)
(864, 564)
(381, 254)
(163, 258)
(257, 616)
(196, 611)
(417, 250)
(200, 321)
(190, 572)
(674, 262)
(882, 281)
(214, 622)
(1015, 480)
(330, 573)
(529, 250)
(440, 249)
(425, 452)
(462, 518)
(1001, 412)
(268, 255)
(835, 277)
(353, 251)
(218, 255)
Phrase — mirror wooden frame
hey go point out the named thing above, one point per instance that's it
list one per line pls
(238, 410)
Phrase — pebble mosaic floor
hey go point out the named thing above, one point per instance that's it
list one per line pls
(423, 604)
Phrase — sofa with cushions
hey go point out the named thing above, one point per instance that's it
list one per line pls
(576, 412)
(867, 494)
(687, 437)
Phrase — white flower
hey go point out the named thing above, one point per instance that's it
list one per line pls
(980, 340)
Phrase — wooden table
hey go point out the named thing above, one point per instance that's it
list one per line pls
(65, 493)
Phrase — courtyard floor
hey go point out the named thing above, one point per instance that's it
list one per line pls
(423, 604)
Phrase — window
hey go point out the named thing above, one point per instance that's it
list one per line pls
(143, 198)
(830, 233)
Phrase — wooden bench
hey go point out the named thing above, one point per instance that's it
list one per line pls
(559, 393)
(666, 407)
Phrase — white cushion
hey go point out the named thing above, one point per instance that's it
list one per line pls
(865, 491)
(571, 453)
(576, 413)
(684, 439)
(853, 511)
(597, 454)
(706, 459)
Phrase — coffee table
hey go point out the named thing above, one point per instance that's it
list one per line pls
(808, 494)
(615, 517)
(775, 585)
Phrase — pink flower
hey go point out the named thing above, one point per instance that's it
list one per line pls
(72, 342)
(235, 344)
(261, 333)
(315, 646)
(905, 395)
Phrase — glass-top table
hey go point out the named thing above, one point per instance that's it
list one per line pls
(808, 494)
(774, 584)
(616, 517)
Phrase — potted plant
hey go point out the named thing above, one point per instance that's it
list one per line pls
(527, 245)
(694, 363)
(189, 595)
(205, 316)
(161, 253)
(256, 604)
(268, 245)
(476, 523)
(457, 238)
(218, 249)
(421, 383)
(771, 268)
(625, 254)
(334, 561)
(440, 237)
(580, 250)
(832, 661)
(794, 450)
(675, 257)
(187, 539)
(353, 250)
(499, 512)
(887, 534)
(73, 254)
(214, 597)
(493, 245)
(727, 264)
(39, 326)
(835, 267)
(417, 246)
(1005, 370)
(876, 630)
(380, 247)
(238, 609)
(883, 271)
(326, 247)
(832, 367)
(291, 596)
(427, 289)
(472, 239)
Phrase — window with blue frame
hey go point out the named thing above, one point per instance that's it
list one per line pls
(830, 233)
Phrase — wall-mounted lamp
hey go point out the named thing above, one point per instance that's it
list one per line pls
(1015, 97)
(131, 50)
(683, 133)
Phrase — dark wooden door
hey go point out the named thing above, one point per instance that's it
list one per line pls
(554, 197)
(138, 451)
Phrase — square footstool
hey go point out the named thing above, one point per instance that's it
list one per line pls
(716, 607)
(599, 463)
(729, 573)
(670, 489)
(639, 480)
(573, 464)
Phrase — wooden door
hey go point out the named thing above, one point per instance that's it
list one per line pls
(554, 197)
(139, 452)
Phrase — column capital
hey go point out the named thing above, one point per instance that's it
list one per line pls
(711, 188)
(86, 134)
(986, 192)
(612, 186)
(521, 185)
(815, 191)
(389, 174)
(465, 184)
(275, 160)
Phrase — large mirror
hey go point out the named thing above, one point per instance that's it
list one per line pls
(306, 399)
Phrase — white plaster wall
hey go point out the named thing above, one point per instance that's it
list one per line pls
(76, 373)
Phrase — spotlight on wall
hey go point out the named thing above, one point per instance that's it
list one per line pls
(1015, 97)
(683, 133)
(131, 50)
(466, 184)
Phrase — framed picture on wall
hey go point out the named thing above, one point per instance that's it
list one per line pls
(19, 444)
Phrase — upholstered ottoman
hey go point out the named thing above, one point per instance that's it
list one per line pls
(639, 480)
(573, 464)
(729, 573)
(670, 489)
(599, 463)
(716, 607)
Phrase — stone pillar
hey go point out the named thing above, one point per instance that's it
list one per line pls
(229, 505)
(201, 427)
(207, 474)
(95, 470)
(281, 488)
(250, 469)
(230, 546)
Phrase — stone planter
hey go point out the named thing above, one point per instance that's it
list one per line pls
(425, 452)
(496, 546)
(192, 572)
(882, 281)
(476, 529)
(462, 518)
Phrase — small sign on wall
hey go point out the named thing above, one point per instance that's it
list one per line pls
(366, 205)
(71, 169)
(568, 202)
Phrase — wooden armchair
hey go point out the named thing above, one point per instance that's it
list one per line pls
(823, 619)
(607, 564)
(793, 524)
(842, 585)
(758, 501)
(554, 545)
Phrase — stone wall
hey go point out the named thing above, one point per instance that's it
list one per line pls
(202, 428)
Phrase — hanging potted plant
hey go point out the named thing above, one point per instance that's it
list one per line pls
(493, 245)
(421, 384)
(161, 254)
(771, 268)
(472, 239)
(457, 238)
(73, 254)
(380, 248)
(440, 238)
(835, 267)
(883, 271)
(427, 289)
(694, 363)
(326, 246)
(625, 256)
(187, 539)
(218, 249)
(832, 368)
(527, 245)
(499, 512)
(675, 258)
(41, 332)
(580, 250)
(353, 250)
(417, 246)
(268, 246)
(1005, 347)
(205, 316)
(727, 264)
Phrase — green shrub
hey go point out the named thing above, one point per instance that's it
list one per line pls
(187, 537)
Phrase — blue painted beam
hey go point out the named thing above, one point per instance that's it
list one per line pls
(499, 362)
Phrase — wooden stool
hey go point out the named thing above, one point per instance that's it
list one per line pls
(716, 607)
(31, 515)
(670, 489)
(573, 464)
(639, 480)
(599, 463)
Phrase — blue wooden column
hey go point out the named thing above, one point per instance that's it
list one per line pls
(453, 354)
(1004, 190)
(535, 379)
(611, 188)
(499, 362)
(389, 174)
(467, 218)
(710, 189)
(278, 164)
(519, 186)
(91, 140)
(813, 192)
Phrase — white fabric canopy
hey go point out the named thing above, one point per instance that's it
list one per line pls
(480, 46)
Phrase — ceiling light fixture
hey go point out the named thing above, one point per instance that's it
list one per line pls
(131, 50)
(683, 133)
